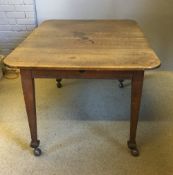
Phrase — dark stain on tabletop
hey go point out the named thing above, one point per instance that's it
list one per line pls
(83, 36)
(72, 58)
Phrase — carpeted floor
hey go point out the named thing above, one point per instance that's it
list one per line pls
(84, 126)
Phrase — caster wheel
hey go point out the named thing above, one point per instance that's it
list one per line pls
(133, 148)
(59, 85)
(135, 152)
(37, 152)
(121, 85)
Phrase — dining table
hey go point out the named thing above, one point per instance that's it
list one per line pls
(84, 49)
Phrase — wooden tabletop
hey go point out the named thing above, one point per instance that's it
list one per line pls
(85, 44)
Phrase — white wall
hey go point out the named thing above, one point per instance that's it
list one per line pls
(17, 20)
(154, 16)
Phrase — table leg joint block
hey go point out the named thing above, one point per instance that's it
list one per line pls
(35, 144)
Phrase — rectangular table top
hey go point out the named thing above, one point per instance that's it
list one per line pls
(85, 44)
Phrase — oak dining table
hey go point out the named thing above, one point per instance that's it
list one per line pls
(84, 49)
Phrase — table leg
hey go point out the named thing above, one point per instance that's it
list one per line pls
(29, 97)
(58, 80)
(136, 93)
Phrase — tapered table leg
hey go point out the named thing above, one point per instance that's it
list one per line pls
(29, 97)
(136, 93)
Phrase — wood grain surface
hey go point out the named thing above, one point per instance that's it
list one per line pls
(85, 44)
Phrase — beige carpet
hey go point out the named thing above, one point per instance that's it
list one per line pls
(84, 126)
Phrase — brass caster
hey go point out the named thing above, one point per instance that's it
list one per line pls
(121, 85)
(59, 85)
(135, 152)
(133, 148)
(37, 152)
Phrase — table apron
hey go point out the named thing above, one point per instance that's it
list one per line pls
(82, 74)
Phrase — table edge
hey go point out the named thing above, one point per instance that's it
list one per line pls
(86, 68)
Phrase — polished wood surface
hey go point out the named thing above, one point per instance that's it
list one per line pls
(85, 44)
